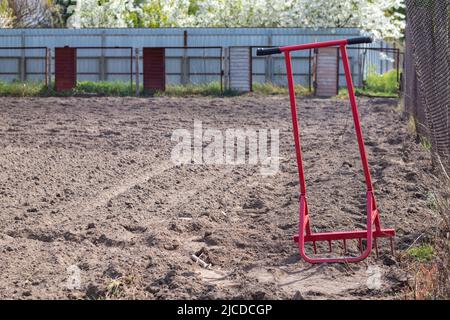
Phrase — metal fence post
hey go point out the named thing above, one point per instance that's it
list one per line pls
(136, 61)
(226, 67)
(358, 55)
(185, 61)
(46, 67)
(269, 63)
(22, 58)
(102, 59)
(49, 66)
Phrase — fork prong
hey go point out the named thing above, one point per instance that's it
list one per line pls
(329, 246)
(345, 246)
(376, 247)
(391, 240)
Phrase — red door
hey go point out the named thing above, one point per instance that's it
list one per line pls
(65, 68)
(154, 69)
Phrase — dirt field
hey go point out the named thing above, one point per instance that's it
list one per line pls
(88, 183)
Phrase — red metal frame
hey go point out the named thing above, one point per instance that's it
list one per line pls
(305, 235)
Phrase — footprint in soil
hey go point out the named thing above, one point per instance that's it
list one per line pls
(370, 143)
(94, 292)
(411, 176)
(105, 133)
(254, 203)
(151, 240)
(109, 242)
(378, 150)
(379, 167)
(112, 272)
(135, 228)
(13, 130)
(394, 140)
(212, 239)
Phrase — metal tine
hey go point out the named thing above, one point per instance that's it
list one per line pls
(391, 240)
(376, 247)
(314, 247)
(329, 246)
(345, 246)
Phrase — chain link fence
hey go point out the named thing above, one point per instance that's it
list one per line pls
(427, 74)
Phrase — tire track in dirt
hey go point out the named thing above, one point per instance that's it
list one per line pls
(82, 207)
(123, 186)
(71, 212)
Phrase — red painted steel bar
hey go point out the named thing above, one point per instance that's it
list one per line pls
(373, 218)
(359, 136)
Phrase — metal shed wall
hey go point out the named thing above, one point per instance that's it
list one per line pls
(175, 37)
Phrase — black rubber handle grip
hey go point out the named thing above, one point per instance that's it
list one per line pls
(359, 40)
(267, 51)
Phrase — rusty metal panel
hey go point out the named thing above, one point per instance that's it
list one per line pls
(326, 75)
(154, 69)
(65, 68)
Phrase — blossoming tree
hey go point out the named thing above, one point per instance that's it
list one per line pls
(383, 18)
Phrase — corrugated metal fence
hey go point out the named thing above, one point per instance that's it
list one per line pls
(183, 64)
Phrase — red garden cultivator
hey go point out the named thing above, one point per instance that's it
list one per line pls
(305, 235)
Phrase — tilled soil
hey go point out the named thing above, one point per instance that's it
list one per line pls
(88, 189)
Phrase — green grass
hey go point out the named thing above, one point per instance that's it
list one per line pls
(22, 89)
(213, 89)
(39, 89)
(412, 125)
(204, 89)
(116, 88)
(376, 85)
(425, 143)
(343, 93)
(422, 253)
(273, 89)
(432, 202)
(123, 89)
(382, 83)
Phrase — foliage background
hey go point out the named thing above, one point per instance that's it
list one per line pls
(382, 18)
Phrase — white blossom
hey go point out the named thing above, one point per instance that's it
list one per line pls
(93, 14)
(375, 16)
(6, 17)
(6, 21)
(172, 13)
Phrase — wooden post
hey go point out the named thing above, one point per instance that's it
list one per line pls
(136, 61)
